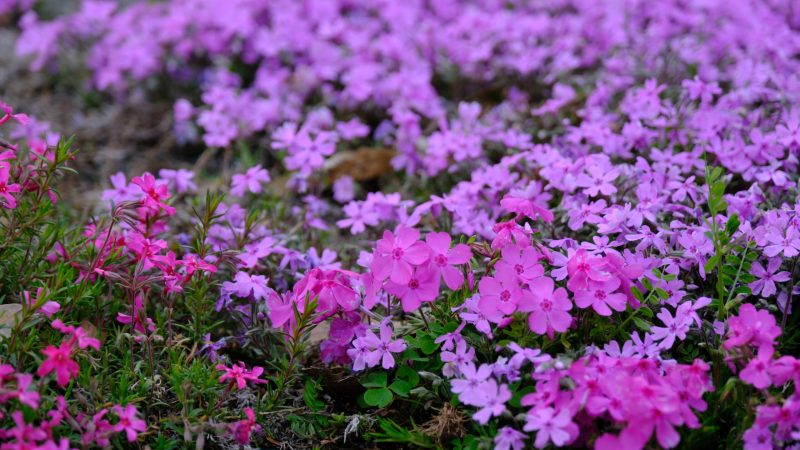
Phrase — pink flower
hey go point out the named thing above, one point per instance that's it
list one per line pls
(333, 290)
(48, 308)
(507, 233)
(250, 181)
(499, 293)
(155, 193)
(526, 207)
(422, 286)
(8, 114)
(23, 394)
(129, 422)
(239, 375)
(395, 256)
(583, 268)
(443, 258)
(78, 333)
(146, 250)
(59, 361)
(7, 189)
(757, 371)
(600, 295)
(523, 261)
(281, 310)
(550, 426)
(752, 327)
(193, 264)
(548, 307)
(243, 429)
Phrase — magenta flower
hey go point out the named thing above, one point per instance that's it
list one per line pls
(757, 371)
(240, 376)
(6, 188)
(243, 429)
(601, 295)
(156, 193)
(443, 258)
(396, 255)
(334, 290)
(548, 307)
(507, 233)
(282, 310)
(501, 293)
(29, 397)
(550, 426)
(526, 207)
(129, 422)
(80, 335)
(59, 360)
(752, 327)
(422, 286)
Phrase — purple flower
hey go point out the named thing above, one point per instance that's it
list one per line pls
(250, 181)
(788, 244)
(550, 426)
(765, 284)
(179, 180)
(508, 438)
(491, 398)
(379, 349)
(675, 327)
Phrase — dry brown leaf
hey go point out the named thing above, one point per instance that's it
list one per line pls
(361, 164)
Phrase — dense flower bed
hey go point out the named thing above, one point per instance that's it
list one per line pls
(587, 236)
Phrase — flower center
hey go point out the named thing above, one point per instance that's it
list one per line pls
(397, 253)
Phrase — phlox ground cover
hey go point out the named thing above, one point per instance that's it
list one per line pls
(452, 224)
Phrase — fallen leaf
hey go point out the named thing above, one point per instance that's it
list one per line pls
(7, 315)
(362, 164)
